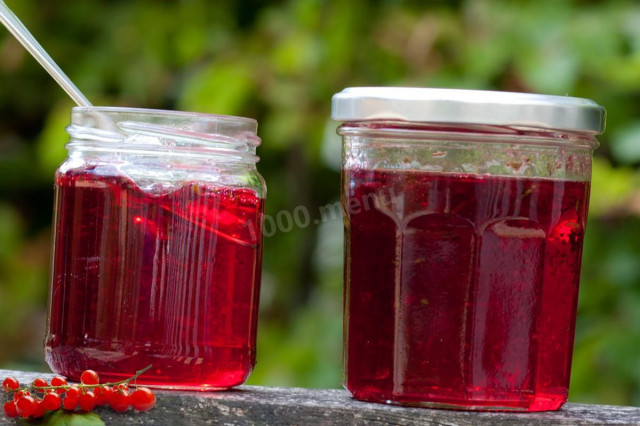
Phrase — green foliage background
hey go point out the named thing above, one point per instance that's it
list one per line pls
(280, 62)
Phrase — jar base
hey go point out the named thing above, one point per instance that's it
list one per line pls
(224, 368)
(531, 404)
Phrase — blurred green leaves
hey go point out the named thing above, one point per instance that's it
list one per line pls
(219, 88)
(606, 365)
(11, 234)
(23, 271)
(625, 144)
(50, 148)
(612, 188)
(280, 62)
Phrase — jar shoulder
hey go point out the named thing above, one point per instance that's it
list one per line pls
(160, 175)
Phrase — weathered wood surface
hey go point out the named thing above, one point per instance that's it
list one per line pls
(254, 405)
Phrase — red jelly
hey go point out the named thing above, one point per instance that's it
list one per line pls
(170, 280)
(477, 280)
(157, 255)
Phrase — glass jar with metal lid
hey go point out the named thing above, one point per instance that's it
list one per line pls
(465, 214)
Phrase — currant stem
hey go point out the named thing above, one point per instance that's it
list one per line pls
(83, 386)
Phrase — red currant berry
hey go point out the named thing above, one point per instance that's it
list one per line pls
(70, 404)
(88, 401)
(39, 411)
(59, 381)
(120, 401)
(143, 399)
(72, 398)
(52, 401)
(89, 377)
(10, 384)
(20, 394)
(10, 409)
(103, 393)
(73, 392)
(39, 383)
(26, 405)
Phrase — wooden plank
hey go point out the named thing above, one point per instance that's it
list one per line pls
(254, 405)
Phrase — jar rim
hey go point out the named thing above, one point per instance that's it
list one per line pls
(251, 123)
(481, 107)
(163, 131)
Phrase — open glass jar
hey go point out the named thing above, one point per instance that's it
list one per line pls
(157, 248)
(465, 213)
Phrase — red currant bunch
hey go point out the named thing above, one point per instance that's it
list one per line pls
(40, 397)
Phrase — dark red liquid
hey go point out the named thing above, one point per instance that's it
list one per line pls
(461, 290)
(169, 279)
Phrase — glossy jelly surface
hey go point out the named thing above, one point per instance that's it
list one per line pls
(461, 290)
(163, 277)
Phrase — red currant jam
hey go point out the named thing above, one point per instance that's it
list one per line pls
(169, 278)
(461, 290)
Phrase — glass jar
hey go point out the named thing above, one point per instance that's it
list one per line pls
(465, 213)
(157, 248)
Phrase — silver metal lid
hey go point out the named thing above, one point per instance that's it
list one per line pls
(424, 105)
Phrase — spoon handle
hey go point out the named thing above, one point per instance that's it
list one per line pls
(23, 35)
